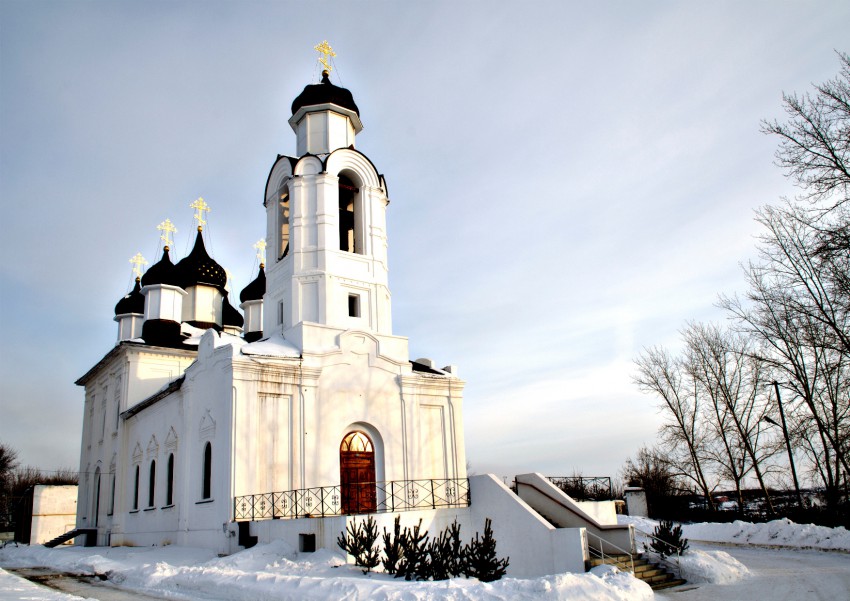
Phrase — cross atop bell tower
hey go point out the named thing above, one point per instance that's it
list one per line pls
(324, 116)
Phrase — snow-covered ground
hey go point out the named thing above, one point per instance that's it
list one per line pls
(275, 571)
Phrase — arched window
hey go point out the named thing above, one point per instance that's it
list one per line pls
(136, 491)
(96, 507)
(152, 484)
(348, 216)
(207, 486)
(169, 484)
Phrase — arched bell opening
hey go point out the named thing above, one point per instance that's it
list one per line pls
(350, 214)
(357, 473)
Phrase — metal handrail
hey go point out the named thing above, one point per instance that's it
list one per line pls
(325, 501)
(601, 551)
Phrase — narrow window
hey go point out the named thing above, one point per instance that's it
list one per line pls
(283, 216)
(136, 491)
(354, 305)
(169, 485)
(280, 313)
(112, 496)
(207, 489)
(152, 484)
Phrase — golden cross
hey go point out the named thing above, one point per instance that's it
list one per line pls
(202, 208)
(261, 250)
(138, 261)
(327, 52)
(167, 228)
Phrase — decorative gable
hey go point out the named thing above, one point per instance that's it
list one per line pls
(207, 429)
(171, 439)
(137, 453)
(153, 447)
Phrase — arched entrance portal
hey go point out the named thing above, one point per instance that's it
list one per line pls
(357, 473)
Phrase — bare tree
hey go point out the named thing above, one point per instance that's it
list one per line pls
(662, 375)
(814, 147)
(733, 378)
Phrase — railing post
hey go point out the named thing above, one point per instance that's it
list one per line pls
(253, 503)
(433, 499)
(392, 495)
(322, 501)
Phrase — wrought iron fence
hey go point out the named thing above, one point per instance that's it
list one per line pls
(584, 488)
(352, 499)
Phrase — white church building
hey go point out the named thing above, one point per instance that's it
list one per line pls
(204, 426)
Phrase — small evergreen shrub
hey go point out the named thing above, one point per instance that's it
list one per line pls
(481, 559)
(409, 553)
(414, 560)
(445, 554)
(668, 538)
(359, 542)
(393, 547)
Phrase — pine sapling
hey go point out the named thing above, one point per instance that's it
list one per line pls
(359, 542)
(414, 561)
(393, 547)
(481, 559)
(668, 539)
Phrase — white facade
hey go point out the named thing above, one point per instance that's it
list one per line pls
(172, 435)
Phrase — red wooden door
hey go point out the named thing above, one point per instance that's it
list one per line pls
(357, 474)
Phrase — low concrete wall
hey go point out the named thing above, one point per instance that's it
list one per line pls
(534, 546)
(604, 512)
(556, 505)
(54, 511)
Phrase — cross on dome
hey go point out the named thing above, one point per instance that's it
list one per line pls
(138, 262)
(202, 207)
(327, 53)
(260, 247)
(167, 228)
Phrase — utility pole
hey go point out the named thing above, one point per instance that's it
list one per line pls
(788, 444)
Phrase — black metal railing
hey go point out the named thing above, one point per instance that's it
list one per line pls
(584, 488)
(352, 499)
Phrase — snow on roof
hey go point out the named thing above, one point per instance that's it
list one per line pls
(273, 346)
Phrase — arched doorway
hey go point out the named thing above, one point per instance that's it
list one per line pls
(357, 473)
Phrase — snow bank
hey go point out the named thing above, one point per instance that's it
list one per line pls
(716, 567)
(275, 571)
(784, 533)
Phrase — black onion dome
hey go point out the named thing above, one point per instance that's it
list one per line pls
(134, 302)
(256, 289)
(323, 93)
(162, 272)
(229, 315)
(199, 268)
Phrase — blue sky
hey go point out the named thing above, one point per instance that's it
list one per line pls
(569, 184)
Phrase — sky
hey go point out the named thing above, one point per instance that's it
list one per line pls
(570, 182)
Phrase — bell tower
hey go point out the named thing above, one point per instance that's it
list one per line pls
(326, 227)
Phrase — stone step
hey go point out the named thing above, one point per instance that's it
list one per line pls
(669, 584)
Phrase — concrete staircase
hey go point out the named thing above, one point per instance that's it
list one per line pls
(655, 575)
(89, 533)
